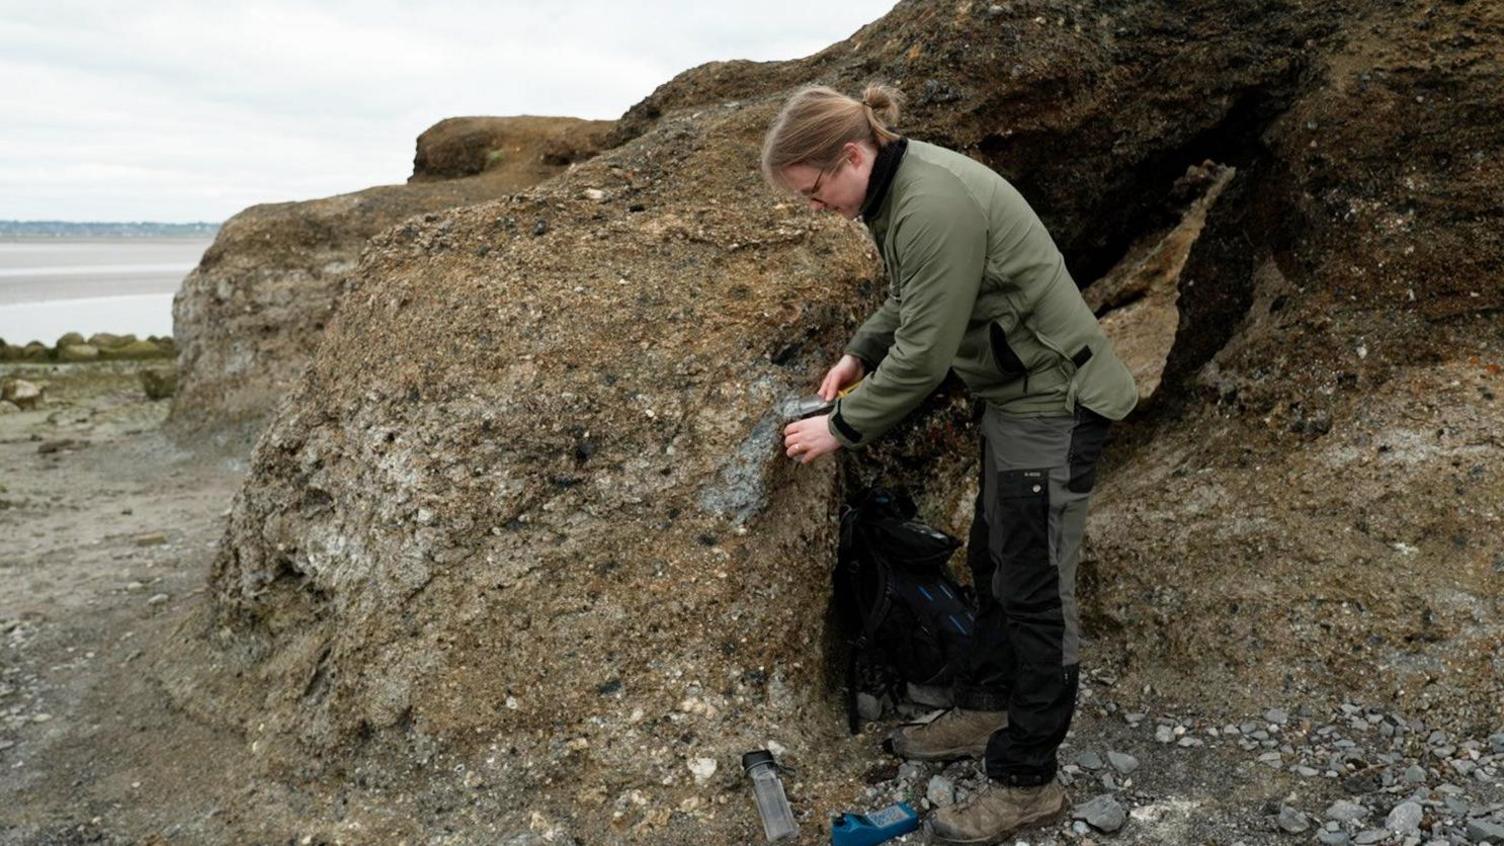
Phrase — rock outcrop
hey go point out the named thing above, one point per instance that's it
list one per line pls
(475, 565)
(249, 317)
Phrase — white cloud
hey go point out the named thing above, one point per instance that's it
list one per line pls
(191, 111)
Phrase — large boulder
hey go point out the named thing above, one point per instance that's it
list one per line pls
(77, 352)
(519, 551)
(531, 149)
(23, 394)
(248, 318)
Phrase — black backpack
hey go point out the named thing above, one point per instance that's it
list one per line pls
(908, 619)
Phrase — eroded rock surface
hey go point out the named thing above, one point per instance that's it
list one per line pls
(249, 317)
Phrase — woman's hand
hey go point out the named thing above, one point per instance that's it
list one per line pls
(808, 439)
(847, 370)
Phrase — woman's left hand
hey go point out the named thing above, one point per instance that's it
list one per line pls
(808, 439)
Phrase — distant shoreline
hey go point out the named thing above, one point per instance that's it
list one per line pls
(48, 229)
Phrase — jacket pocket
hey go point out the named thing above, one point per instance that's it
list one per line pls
(1008, 363)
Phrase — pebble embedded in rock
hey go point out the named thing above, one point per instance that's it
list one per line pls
(1122, 762)
(157, 599)
(702, 769)
(1102, 813)
(1293, 821)
(150, 539)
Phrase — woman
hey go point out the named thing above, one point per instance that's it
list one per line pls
(977, 286)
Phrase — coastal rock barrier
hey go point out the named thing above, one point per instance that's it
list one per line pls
(101, 346)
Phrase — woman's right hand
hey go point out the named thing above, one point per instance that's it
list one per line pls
(847, 370)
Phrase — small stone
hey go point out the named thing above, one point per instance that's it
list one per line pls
(1293, 821)
(1404, 819)
(1333, 838)
(541, 227)
(1164, 734)
(941, 791)
(1306, 772)
(1102, 813)
(1277, 716)
(1496, 743)
(1272, 759)
(1122, 762)
(158, 383)
(1415, 774)
(157, 599)
(1089, 760)
(150, 539)
(1345, 811)
(596, 194)
(868, 707)
(41, 718)
(1479, 830)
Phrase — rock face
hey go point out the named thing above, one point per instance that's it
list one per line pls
(248, 318)
(478, 539)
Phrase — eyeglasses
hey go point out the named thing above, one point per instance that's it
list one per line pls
(809, 193)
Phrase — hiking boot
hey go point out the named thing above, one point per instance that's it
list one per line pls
(995, 813)
(957, 733)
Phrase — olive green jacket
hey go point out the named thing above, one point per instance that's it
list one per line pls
(977, 286)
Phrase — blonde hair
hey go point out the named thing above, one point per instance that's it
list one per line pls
(817, 122)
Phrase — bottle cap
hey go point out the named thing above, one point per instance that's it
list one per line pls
(757, 758)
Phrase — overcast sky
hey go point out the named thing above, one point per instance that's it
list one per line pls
(184, 111)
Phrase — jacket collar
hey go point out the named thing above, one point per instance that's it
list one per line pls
(883, 167)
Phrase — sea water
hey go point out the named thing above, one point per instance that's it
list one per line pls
(52, 286)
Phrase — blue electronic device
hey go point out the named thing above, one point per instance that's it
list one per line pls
(873, 828)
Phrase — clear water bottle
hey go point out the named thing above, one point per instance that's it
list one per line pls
(772, 805)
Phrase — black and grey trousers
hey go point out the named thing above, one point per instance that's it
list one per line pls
(1037, 477)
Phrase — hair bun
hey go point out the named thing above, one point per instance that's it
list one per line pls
(883, 101)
